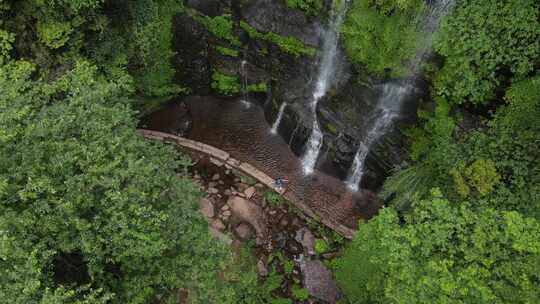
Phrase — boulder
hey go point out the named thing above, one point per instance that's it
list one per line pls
(318, 281)
(218, 224)
(249, 192)
(305, 237)
(206, 208)
(248, 211)
(243, 231)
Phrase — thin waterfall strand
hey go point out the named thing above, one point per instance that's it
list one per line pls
(245, 93)
(324, 80)
(275, 126)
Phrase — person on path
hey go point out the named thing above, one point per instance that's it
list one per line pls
(280, 182)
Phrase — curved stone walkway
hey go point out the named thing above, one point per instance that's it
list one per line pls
(225, 158)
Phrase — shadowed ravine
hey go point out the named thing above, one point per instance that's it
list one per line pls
(244, 133)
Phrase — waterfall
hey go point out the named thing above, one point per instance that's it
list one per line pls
(324, 80)
(245, 91)
(393, 95)
(275, 126)
(387, 110)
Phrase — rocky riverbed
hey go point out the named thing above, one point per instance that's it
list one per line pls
(241, 211)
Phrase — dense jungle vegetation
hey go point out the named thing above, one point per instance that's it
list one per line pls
(92, 213)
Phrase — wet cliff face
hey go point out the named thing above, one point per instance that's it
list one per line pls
(343, 113)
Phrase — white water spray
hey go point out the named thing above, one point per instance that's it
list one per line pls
(245, 93)
(324, 81)
(275, 126)
(393, 95)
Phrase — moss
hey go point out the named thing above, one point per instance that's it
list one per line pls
(225, 84)
(221, 27)
(332, 128)
(287, 44)
(227, 51)
(257, 87)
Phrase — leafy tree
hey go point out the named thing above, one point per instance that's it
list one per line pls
(6, 45)
(89, 211)
(481, 176)
(523, 110)
(311, 7)
(443, 254)
(382, 35)
(486, 42)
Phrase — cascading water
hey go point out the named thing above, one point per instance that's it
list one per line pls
(393, 95)
(275, 126)
(387, 111)
(245, 92)
(324, 81)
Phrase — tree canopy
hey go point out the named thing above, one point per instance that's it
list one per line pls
(443, 254)
(89, 210)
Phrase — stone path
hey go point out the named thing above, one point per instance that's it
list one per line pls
(225, 158)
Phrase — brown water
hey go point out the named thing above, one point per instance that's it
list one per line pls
(244, 133)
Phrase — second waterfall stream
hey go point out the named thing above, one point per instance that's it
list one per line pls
(325, 76)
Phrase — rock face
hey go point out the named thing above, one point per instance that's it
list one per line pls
(206, 208)
(274, 16)
(248, 212)
(318, 281)
(343, 114)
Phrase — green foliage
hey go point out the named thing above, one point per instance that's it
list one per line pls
(75, 5)
(321, 246)
(382, 35)
(523, 110)
(226, 51)
(152, 50)
(481, 39)
(287, 44)
(311, 7)
(79, 184)
(248, 180)
(225, 84)
(257, 87)
(221, 27)
(442, 254)
(273, 198)
(6, 45)
(290, 45)
(54, 33)
(481, 176)
(300, 293)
